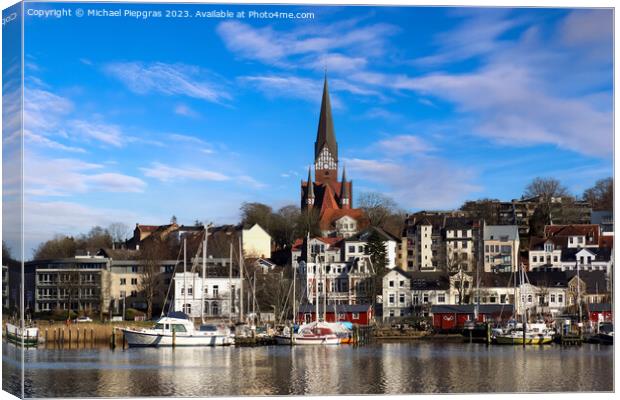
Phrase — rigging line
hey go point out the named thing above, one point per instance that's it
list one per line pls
(176, 263)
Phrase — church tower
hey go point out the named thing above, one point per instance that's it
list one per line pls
(325, 146)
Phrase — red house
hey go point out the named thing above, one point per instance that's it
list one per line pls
(453, 317)
(360, 314)
(599, 312)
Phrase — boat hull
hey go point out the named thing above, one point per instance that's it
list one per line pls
(313, 341)
(146, 339)
(27, 337)
(520, 340)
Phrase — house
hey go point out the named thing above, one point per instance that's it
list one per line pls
(221, 296)
(355, 246)
(396, 295)
(599, 312)
(321, 266)
(501, 248)
(360, 314)
(450, 318)
(577, 235)
(460, 244)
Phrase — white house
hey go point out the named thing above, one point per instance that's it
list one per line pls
(217, 298)
(256, 242)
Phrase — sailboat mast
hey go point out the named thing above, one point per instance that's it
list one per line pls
(184, 308)
(230, 294)
(324, 280)
(204, 274)
(578, 291)
(240, 281)
(316, 287)
(294, 299)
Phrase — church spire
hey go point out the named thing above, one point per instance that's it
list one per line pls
(310, 192)
(345, 197)
(325, 136)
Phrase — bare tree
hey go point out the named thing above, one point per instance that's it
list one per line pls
(601, 195)
(546, 188)
(119, 232)
(378, 207)
(454, 266)
(150, 256)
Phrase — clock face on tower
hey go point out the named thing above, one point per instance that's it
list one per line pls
(325, 160)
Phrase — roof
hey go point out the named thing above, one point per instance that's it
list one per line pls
(330, 215)
(459, 223)
(310, 308)
(591, 231)
(606, 241)
(470, 308)
(538, 243)
(596, 281)
(600, 253)
(495, 232)
(429, 281)
(325, 135)
(365, 234)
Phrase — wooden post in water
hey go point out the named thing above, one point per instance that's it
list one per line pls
(174, 338)
(77, 338)
(113, 339)
(124, 340)
(488, 333)
(46, 337)
(92, 337)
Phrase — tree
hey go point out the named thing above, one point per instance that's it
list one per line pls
(308, 222)
(256, 213)
(6, 253)
(456, 271)
(546, 188)
(118, 231)
(284, 226)
(377, 206)
(173, 220)
(375, 249)
(601, 195)
(151, 253)
(483, 209)
(59, 247)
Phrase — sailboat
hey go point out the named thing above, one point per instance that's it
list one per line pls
(317, 332)
(176, 328)
(22, 332)
(525, 333)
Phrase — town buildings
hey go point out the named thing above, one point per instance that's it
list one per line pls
(221, 298)
(501, 248)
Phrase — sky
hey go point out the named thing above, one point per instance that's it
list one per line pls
(135, 120)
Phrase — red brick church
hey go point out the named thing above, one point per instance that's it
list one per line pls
(331, 198)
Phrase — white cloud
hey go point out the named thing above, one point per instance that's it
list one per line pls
(405, 145)
(427, 184)
(65, 176)
(251, 182)
(106, 133)
(167, 173)
(169, 79)
(186, 111)
(318, 45)
(45, 142)
(274, 86)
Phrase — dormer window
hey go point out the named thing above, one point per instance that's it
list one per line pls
(548, 247)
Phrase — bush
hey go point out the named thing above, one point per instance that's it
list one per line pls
(131, 313)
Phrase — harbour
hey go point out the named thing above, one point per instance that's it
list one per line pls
(384, 367)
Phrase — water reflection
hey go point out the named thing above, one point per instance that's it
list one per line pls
(375, 369)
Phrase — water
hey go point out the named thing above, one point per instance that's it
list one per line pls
(388, 368)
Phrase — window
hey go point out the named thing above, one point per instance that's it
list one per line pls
(464, 245)
(492, 298)
(401, 298)
(425, 298)
(486, 248)
(402, 313)
(356, 316)
(416, 299)
(134, 293)
(391, 299)
(502, 298)
(391, 313)
(134, 269)
(134, 281)
(441, 298)
(534, 259)
(391, 283)
(555, 258)
(351, 249)
(401, 283)
(123, 281)
(179, 327)
(560, 299)
(529, 298)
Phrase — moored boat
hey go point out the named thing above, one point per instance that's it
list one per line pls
(534, 334)
(27, 336)
(176, 329)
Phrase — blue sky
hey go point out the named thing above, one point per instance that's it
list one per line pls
(135, 120)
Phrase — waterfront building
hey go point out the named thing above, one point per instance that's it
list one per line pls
(328, 198)
(321, 265)
(361, 314)
(501, 248)
(354, 247)
(450, 318)
(221, 296)
(80, 284)
(575, 235)
(440, 241)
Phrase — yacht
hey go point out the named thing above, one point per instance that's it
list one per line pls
(26, 336)
(535, 333)
(176, 329)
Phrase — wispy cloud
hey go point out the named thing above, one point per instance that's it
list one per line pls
(65, 176)
(185, 110)
(167, 173)
(405, 145)
(275, 86)
(105, 133)
(170, 80)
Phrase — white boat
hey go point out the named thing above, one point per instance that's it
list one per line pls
(535, 333)
(176, 329)
(317, 333)
(27, 336)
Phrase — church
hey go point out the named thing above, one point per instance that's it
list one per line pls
(330, 198)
